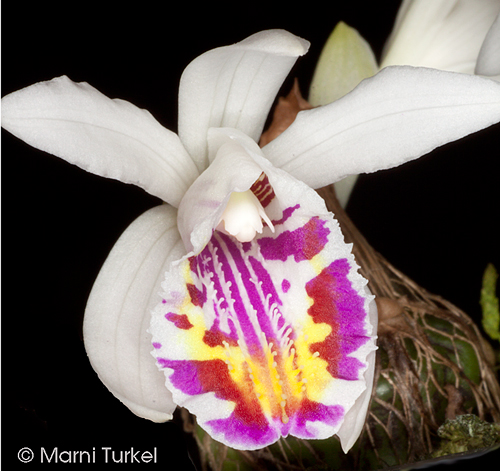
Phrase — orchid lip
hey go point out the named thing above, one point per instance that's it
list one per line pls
(264, 334)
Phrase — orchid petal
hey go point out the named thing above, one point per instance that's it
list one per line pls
(441, 34)
(111, 138)
(119, 309)
(234, 86)
(488, 62)
(398, 115)
(345, 60)
(271, 337)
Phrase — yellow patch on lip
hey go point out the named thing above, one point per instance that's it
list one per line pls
(282, 376)
(313, 369)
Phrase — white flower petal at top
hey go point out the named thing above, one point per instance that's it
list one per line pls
(488, 62)
(396, 116)
(111, 138)
(234, 86)
(441, 34)
(118, 313)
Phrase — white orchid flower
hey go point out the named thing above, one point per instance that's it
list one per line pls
(453, 35)
(241, 282)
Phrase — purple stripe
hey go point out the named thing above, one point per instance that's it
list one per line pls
(254, 296)
(267, 284)
(251, 337)
(209, 267)
(268, 288)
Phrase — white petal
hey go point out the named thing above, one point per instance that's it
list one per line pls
(111, 138)
(232, 169)
(488, 62)
(119, 309)
(398, 115)
(443, 34)
(234, 86)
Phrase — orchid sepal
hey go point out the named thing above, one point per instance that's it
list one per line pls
(108, 137)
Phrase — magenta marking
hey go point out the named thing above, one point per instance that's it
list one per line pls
(303, 243)
(285, 286)
(287, 213)
(265, 278)
(180, 321)
(250, 435)
(198, 297)
(336, 303)
(315, 412)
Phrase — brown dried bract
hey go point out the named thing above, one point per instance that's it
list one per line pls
(285, 114)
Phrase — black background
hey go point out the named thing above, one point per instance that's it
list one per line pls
(435, 219)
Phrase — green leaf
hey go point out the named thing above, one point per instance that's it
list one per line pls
(489, 303)
(346, 59)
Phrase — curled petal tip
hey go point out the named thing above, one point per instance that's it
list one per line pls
(278, 41)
